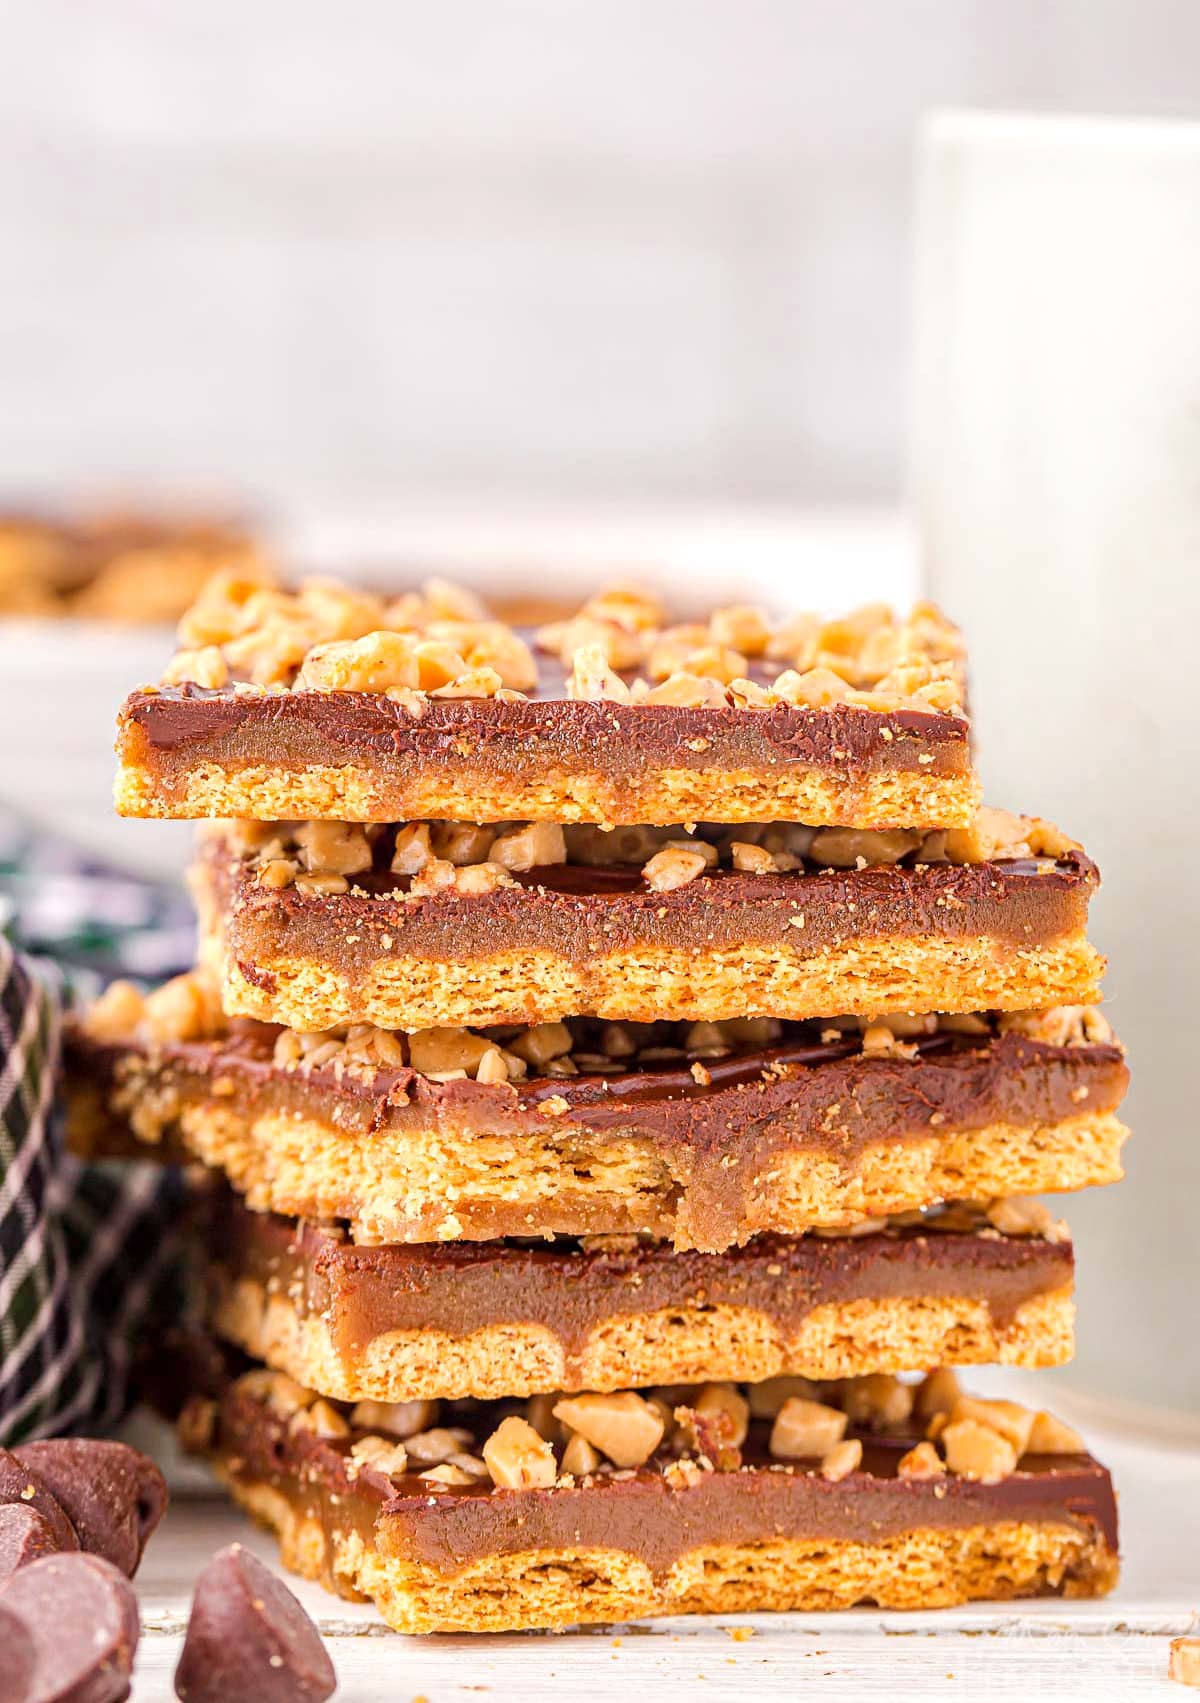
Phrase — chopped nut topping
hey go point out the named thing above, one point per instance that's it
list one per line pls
(531, 847)
(977, 1451)
(413, 850)
(458, 843)
(688, 1431)
(752, 860)
(999, 834)
(283, 1395)
(513, 1053)
(435, 1051)
(879, 1400)
(1024, 1215)
(430, 1448)
(397, 1418)
(542, 1042)
(482, 878)
(673, 867)
(624, 1426)
(579, 1456)
(591, 680)
(815, 689)
(963, 1023)
(853, 848)
(1060, 1025)
(767, 1398)
(321, 1419)
(324, 885)
(539, 1411)
(224, 605)
(740, 627)
(804, 1428)
(671, 649)
(936, 1393)
(434, 876)
(688, 691)
(466, 858)
(327, 637)
(117, 1014)
(334, 848)
(714, 1424)
(205, 667)
(517, 1458)
(184, 1009)
(879, 1041)
(683, 1474)
(492, 1066)
(278, 872)
(921, 1461)
(627, 607)
(1007, 1418)
(1049, 1436)
(449, 1472)
(843, 1459)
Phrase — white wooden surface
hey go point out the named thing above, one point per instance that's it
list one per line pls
(1092, 1652)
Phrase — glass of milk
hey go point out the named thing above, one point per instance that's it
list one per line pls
(1056, 479)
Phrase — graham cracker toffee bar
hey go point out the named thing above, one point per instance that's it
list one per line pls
(702, 1134)
(335, 703)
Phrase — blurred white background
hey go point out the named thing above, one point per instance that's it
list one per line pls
(619, 249)
(572, 283)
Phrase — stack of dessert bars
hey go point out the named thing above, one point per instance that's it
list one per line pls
(628, 1052)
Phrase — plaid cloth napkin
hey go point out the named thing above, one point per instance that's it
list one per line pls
(86, 1260)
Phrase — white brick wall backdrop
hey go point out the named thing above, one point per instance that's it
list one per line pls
(649, 249)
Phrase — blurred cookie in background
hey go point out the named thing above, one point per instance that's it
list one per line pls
(116, 565)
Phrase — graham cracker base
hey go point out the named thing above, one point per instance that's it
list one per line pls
(656, 797)
(924, 1568)
(561, 1178)
(680, 1345)
(859, 977)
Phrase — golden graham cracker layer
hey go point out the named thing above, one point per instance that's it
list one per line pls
(858, 977)
(180, 786)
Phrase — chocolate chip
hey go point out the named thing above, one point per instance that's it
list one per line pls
(81, 1617)
(16, 1659)
(114, 1495)
(25, 1536)
(248, 1640)
(18, 1483)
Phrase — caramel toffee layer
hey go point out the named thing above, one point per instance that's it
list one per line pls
(363, 1293)
(642, 1512)
(586, 918)
(526, 752)
(717, 1129)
